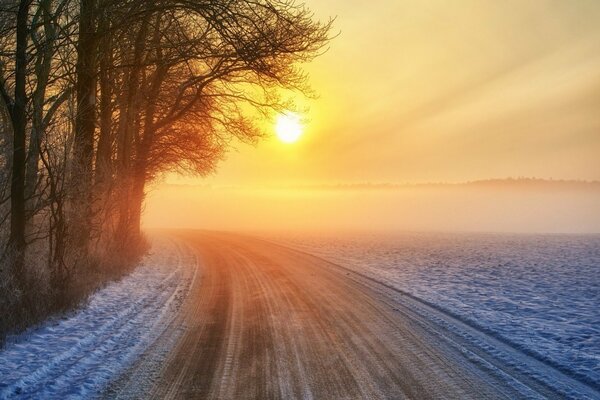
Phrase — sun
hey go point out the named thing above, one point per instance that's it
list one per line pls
(288, 127)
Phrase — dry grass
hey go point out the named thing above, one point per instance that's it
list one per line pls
(23, 307)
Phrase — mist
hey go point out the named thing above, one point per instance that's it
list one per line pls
(525, 206)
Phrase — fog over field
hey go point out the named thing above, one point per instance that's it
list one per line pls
(519, 205)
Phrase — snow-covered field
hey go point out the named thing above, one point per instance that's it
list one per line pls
(541, 293)
(77, 356)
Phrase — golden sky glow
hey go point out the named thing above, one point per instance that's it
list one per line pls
(416, 91)
(442, 91)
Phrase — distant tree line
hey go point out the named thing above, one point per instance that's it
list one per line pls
(98, 98)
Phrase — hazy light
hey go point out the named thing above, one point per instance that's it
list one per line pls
(288, 127)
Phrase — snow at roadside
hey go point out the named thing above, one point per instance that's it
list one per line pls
(541, 293)
(78, 355)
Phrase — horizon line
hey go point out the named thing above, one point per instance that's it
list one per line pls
(510, 181)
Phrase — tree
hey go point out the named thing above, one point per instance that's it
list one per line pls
(17, 111)
(101, 97)
(85, 120)
(195, 79)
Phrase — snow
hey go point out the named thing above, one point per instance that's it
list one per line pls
(78, 355)
(540, 293)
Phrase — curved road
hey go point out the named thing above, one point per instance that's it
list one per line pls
(263, 321)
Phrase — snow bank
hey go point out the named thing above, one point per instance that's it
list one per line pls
(78, 355)
(541, 293)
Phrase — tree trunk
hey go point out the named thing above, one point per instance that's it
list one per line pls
(136, 205)
(104, 150)
(85, 88)
(42, 74)
(129, 111)
(19, 121)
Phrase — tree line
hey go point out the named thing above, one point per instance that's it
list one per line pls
(100, 97)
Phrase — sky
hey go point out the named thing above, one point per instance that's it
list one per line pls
(439, 91)
(414, 91)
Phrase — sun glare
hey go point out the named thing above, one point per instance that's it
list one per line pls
(288, 127)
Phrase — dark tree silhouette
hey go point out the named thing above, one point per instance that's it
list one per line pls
(100, 97)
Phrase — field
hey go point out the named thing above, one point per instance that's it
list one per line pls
(540, 293)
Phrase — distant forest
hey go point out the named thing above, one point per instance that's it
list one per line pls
(521, 183)
(98, 98)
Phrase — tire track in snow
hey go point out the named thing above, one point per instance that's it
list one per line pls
(79, 354)
(270, 322)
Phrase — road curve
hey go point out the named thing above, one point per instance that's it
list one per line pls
(267, 322)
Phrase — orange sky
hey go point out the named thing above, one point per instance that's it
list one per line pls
(442, 91)
(416, 91)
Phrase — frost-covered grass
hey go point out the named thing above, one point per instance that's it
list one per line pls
(77, 355)
(539, 292)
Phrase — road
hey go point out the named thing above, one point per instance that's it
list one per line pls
(263, 321)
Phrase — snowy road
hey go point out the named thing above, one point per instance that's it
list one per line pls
(78, 355)
(223, 316)
(265, 321)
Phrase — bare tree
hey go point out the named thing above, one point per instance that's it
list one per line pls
(201, 69)
(16, 105)
(100, 97)
(85, 119)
